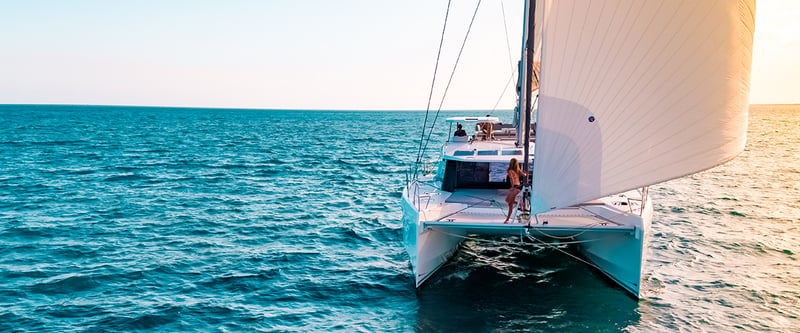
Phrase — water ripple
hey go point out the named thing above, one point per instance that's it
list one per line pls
(159, 219)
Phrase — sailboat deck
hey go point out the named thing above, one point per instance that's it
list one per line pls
(486, 208)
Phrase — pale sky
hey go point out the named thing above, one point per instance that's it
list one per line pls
(297, 54)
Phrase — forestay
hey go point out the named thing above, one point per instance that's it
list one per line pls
(637, 92)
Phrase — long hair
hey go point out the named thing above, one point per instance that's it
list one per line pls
(513, 165)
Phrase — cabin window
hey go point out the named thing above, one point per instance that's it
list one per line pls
(474, 175)
(511, 152)
(487, 152)
(463, 153)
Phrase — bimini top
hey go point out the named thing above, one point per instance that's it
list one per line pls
(476, 119)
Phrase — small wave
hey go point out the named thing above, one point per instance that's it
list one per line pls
(355, 162)
(338, 204)
(242, 282)
(707, 211)
(6, 178)
(347, 233)
(381, 171)
(76, 311)
(677, 210)
(57, 142)
(124, 168)
(147, 321)
(294, 257)
(369, 140)
(274, 161)
(157, 150)
(461, 274)
(122, 178)
(704, 287)
(388, 234)
(81, 171)
(23, 231)
(74, 252)
(64, 284)
(231, 166)
(12, 294)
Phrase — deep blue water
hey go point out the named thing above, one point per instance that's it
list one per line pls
(165, 219)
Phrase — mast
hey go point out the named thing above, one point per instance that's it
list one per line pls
(524, 108)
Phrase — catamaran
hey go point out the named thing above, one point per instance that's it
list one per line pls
(613, 96)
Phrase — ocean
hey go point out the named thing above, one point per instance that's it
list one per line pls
(220, 220)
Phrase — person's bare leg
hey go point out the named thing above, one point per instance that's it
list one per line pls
(512, 194)
(510, 202)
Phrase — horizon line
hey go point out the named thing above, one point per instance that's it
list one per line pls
(244, 108)
(292, 109)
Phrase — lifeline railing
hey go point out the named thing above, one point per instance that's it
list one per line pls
(412, 188)
(642, 202)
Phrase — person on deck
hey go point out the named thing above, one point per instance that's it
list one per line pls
(488, 129)
(460, 131)
(515, 173)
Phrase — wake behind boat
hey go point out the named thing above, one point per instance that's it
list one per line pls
(623, 100)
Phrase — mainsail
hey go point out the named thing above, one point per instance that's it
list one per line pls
(637, 92)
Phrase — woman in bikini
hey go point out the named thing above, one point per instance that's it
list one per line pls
(514, 174)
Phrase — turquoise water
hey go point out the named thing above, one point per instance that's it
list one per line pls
(160, 219)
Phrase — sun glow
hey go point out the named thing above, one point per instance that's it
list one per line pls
(776, 53)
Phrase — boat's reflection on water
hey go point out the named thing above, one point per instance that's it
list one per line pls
(511, 287)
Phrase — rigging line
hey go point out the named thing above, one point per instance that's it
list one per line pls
(508, 42)
(427, 183)
(461, 210)
(477, 197)
(491, 201)
(564, 252)
(510, 78)
(499, 206)
(609, 219)
(433, 83)
(510, 59)
(452, 74)
(458, 57)
(483, 240)
(575, 242)
(571, 236)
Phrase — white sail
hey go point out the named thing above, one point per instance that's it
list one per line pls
(636, 92)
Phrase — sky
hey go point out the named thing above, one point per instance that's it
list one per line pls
(293, 54)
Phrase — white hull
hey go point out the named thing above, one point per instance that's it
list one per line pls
(427, 249)
(610, 239)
